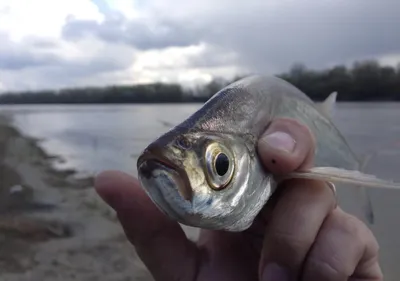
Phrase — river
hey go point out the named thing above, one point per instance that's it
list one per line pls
(92, 138)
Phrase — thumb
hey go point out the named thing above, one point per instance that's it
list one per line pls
(286, 146)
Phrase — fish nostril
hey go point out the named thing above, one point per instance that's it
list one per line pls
(182, 142)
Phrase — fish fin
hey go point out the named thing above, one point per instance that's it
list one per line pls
(365, 198)
(334, 174)
(368, 208)
(328, 105)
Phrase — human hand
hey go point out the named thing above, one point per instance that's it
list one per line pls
(300, 234)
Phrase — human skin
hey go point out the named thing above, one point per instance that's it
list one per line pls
(301, 234)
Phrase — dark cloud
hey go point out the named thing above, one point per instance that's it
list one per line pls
(19, 56)
(257, 36)
(20, 59)
(35, 63)
(138, 34)
(321, 34)
(66, 73)
(265, 36)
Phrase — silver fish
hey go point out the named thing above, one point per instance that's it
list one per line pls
(206, 173)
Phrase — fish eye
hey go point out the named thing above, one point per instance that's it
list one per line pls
(220, 166)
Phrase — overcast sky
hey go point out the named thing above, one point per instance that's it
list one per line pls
(63, 43)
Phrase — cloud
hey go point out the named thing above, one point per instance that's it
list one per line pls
(42, 18)
(270, 36)
(137, 33)
(17, 57)
(186, 65)
(317, 33)
(56, 65)
(266, 36)
(122, 41)
(34, 56)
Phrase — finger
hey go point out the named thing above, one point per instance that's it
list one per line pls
(293, 226)
(286, 146)
(345, 249)
(160, 243)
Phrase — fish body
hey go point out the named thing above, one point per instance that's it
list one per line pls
(206, 172)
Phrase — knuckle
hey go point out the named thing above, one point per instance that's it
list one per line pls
(349, 225)
(371, 245)
(372, 238)
(350, 228)
(375, 246)
(318, 268)
(327, 261)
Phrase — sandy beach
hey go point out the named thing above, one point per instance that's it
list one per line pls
(53, 226)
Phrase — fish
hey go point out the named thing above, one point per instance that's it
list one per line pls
(205, 172)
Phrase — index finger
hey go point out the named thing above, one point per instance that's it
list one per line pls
(160, 242)
(286, 146)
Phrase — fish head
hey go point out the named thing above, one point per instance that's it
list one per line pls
(205, 179)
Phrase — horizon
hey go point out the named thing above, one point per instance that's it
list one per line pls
(191, 89)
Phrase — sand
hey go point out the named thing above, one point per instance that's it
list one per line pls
(53, 226)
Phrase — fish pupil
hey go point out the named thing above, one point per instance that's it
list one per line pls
(221, 164)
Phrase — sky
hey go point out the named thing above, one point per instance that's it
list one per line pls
(49, 44)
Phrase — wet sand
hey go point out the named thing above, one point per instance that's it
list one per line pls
(54, 227)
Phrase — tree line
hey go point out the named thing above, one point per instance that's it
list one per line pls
(363, 81)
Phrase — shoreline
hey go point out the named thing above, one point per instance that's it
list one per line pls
(16, 149)
(43, 157)
(53, 226)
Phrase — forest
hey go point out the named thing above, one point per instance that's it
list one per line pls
(363, 81)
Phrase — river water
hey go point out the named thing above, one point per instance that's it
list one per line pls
(92, 138)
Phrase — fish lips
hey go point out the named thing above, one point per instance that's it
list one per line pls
(157, 169)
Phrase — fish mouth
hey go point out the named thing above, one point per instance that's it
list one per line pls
(152, 163)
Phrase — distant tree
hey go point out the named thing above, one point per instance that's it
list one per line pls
(364, 81)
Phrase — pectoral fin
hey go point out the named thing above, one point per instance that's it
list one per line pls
(360, 179)
(334, 174)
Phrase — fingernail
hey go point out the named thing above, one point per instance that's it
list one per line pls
(274, 272)
(280, 141)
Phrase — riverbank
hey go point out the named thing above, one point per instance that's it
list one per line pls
(52, 225)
